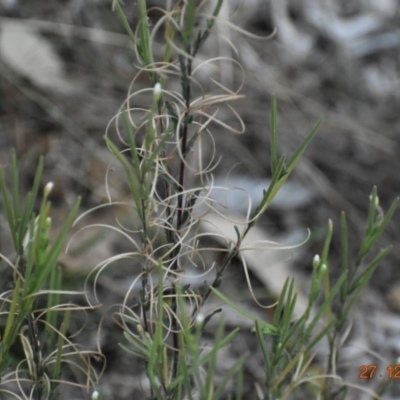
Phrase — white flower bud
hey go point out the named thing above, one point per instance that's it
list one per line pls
(95, 395)
(316, 261)
(48, 188)
(376, 199)
(199, 319)
(157, 91)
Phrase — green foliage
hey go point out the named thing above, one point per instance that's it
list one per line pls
(37, 283)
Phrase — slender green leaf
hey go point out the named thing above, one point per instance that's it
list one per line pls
(135, 190)
(143, 348)
(217, 9)
(209, 384)
(169, 37)
(281, 303)
(327, 302)
(30, 201)
(267, 196)
(144, 44)
(344, 255)
(293, 160)
(9, 211)
(191, 201)
(372, 211)
(30, 258)
(317, 338)
(228, 375)
(267, 328)
(327, 243)
(7, 338)
(364, 277)
(289, 308)
(63, 331)
(203, 36)
(261, 341)
(324, 264)
(206, 357)
(156, 152)
(291, 365)
(185, 375)
(132, 144)
(51, 258)
(294, 328)
(53, 299)
(139, 354)
(14, 186)
(124, 21)
(300, 150)
(190, 17)
(376, 232)
(239, 386)
(274, 140)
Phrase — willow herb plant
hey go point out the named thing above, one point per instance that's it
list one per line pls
(165, 327)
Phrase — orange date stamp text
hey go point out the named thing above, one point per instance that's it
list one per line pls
(368, 371)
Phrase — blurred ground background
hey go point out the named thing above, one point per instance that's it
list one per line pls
(65, 69)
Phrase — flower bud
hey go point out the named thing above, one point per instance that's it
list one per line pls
(199, 319)
(48, 188)
(376, 199)
(316, 261)
(157, 91)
